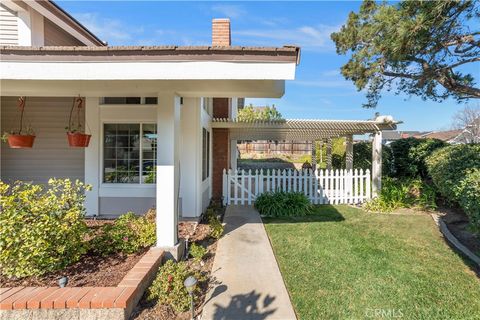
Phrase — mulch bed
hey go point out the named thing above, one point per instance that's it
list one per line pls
(150, 310)
(90, 271)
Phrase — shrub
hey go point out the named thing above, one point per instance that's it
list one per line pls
(41, 229)
(282, 204)
(409, 156)
(449, 166)
(406, 193)
(216, 227)
(168, 286)
(128, 234)
(197, 252)
(469, 195)
(362, 157)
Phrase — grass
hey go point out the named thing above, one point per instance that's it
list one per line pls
(343, 263)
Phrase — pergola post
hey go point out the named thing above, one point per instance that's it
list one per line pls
(376, 163)
(314, 155)
(349, 152)
(329, 154)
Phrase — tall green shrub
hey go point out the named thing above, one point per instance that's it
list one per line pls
(469, 197)
(450, 165)
(362, 157)
(41, 229)
(409, 156)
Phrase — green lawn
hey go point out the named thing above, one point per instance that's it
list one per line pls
(343, 263)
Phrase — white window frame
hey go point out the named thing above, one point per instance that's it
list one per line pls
(104, 184)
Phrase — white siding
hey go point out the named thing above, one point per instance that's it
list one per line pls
(51, 155)
(8, 27)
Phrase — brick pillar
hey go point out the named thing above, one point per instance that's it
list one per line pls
(220, 147)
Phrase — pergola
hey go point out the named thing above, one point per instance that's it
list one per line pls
(313, 130)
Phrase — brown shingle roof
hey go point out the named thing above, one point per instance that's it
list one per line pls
(443, 135)
(82, 53)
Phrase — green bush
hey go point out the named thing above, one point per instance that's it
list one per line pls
(216, 227)
(283, 204)
(404, 193)
(197, 252)
(469, 195)
(362, 157)
(409, 156)
(128, 234)
(449, 166)
(168, 286)
(41, 229)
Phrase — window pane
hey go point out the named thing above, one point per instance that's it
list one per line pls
(121, 153)
(151, 100)
(149, 153)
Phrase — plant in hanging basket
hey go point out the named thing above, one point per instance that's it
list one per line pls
(23, 138)
(75, 136)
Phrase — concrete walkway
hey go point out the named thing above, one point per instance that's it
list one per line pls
(249, 285)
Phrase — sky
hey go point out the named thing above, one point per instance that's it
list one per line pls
(319, 91)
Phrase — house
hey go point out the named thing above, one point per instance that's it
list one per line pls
(161, 118)
(448, 136)
(390, 136)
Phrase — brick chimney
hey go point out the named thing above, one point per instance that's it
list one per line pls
(221, 33)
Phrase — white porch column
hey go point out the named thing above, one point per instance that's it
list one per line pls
(329, 153)
(92, 155)
(376, 163)
(349, 152)
(168, 135)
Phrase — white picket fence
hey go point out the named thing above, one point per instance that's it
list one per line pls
(320, 186)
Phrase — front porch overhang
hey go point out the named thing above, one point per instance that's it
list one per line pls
(302, 130)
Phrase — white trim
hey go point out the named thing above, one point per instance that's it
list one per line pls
(170, 70)
(52, 17)
(24, 29)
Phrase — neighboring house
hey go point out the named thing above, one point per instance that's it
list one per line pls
(390, 136)
(162, 118)
(448, 136)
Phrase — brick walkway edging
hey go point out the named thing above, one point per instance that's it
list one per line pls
(82, 302)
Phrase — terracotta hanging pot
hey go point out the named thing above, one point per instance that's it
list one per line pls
(77, 139)
(18, 141)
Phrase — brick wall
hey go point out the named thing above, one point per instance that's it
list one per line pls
(220, 147)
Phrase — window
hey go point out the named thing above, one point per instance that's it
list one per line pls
(205, 154)
(129, 152)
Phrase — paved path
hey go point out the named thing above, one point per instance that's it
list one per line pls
(249, 285)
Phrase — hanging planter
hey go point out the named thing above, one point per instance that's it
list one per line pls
(77, 138)
(23, 138)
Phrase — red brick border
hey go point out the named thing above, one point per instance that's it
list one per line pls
(124, 296)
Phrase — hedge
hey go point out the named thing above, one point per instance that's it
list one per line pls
(409, 156)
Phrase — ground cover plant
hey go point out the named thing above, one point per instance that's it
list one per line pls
(280, 204)
(403, 193)
(343, 263)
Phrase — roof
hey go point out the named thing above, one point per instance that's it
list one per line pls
(395, 135)
(64, 15)
(300, 129)
(442, 135)
(289, 54)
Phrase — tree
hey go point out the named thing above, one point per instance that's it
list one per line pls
(468, 119)
(251, 113)
(417, 47)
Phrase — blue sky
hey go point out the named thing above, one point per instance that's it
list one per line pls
(319, 90)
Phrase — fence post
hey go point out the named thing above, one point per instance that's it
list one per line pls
(362, 195)
(284, 180)
(369, 190)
